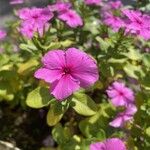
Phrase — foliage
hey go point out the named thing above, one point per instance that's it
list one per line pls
(83, 117)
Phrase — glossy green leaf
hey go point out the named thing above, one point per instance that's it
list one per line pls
(83, 104)
(39, 98)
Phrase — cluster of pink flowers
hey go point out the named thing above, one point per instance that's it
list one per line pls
(34, 20)
(109, 144)
(67, 71)
(66, 14)
(2, 34)
(120, 95)
(132, 21)
(92, 2)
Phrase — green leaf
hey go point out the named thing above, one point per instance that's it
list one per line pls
(60, 134)
(146, 60)
(83, 104)
(6, 91)
(133, 71)
(39, 98)
(133, 54)
(148, 131)
(55, 113)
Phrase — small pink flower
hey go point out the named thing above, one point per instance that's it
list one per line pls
(114, 22)
(124, 117)
(71, 18)
(60, 7)
(14, 2)
(33, 20)
(116, 5)
(2, 34)
(120, 95)
(92, 2)
(109, 144)
(67, 71)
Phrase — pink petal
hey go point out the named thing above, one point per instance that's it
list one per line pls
(114, 144)
(64, 87)
(118, 101)
(131, 109)
(83, 67)
(128, 93)
(54, 59)
(117, 122)
(112, 93)
(97, 146)
(119, 86)
(48, 75)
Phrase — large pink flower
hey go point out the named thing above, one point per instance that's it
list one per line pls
(67, 71)
(124, 117)
(71, 18)
(109, 144)
(120, 95)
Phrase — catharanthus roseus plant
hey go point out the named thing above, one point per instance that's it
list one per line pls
(81, 69)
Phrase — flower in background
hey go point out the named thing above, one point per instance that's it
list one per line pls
(71, 18)
(92, 2)
(14, 2)
(112, 15)
(119, 94)
(67, 71)
(114, 22)
(124, 117)
(66, 14)
(60, 7)
(109, 144)
(115, 5)
(137, 23)
(2, 34)
(33, 20)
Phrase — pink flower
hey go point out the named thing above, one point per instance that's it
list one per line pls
(27, 30)
(124, 117)
(120, 95)
(2, 34)
(114, 22)
(34, 20)
(71, 18)
(67, 71)
(14, 2)
(60, 7)
(92, 2)
(109, 144)
(116, 5)
(137, 23)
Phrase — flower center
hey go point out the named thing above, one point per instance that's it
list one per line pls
(66, 70)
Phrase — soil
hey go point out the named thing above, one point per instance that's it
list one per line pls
(24, 128)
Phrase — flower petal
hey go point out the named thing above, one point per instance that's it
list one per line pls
(54, 59)
(83, 67)
(117, 122)
(64, 87)
(118, 101)
(48, 75)
(115, 144)
(97, 146)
